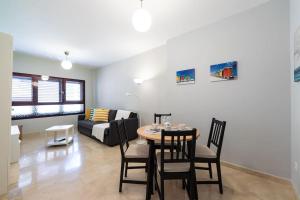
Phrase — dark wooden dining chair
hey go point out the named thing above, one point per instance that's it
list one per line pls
(178, 163)
(158, 116)
(136, 153)
(205, 153)
(157, 119)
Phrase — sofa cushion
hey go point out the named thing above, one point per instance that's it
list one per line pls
(86, 124)
(112, 115)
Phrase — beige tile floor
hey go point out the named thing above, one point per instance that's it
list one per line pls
(89, 170)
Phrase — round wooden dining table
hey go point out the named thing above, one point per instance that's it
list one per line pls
(151, 136)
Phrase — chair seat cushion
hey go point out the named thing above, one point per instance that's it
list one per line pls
(172, 167)
(203, 151)
(137, 151)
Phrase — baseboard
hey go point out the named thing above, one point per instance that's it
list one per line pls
(297, 194)
(31, 134)
(257, 173)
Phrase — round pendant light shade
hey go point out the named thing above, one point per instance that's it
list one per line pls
(141, 19)
(66, 63)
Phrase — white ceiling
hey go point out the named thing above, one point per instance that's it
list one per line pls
(99, 32)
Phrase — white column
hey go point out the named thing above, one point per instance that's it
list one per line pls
(6, 63)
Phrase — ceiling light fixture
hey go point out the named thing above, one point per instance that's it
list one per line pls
(66, 63)
(141, 19)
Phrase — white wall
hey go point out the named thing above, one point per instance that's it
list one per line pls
(113, 82)
(256, 106)
(35, 65)
(6, 56)
(295, 88)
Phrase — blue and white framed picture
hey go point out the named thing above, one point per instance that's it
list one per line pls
(297, 56)
(223, 71)
(185, 76)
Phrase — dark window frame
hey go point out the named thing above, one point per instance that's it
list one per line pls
(62, 95)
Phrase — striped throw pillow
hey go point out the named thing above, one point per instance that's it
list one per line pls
(87, 114)
(100, 115)
(91, 114)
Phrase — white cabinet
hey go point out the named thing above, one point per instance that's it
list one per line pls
(14, 144)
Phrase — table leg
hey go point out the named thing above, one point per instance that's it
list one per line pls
(46, 138)
(151, 169)
(73, 133)
(67, 136)
(55, 136)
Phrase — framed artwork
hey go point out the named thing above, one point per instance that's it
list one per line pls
(297, 56)
(185, 76)
(223, 71)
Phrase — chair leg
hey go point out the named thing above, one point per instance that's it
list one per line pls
(121, 176)
(183, 184)
(162, 189)
(155, 176)
(194, 184)
(210, 170)
(219, 177)
(126, 168)
(191, 187)
(188, 187)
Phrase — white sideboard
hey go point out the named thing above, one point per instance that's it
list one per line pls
(14, 144)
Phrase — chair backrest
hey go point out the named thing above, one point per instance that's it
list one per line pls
(216, 135)
(178, 153)
(123, 138)
(159, 117)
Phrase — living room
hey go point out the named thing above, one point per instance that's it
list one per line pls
(90, 102)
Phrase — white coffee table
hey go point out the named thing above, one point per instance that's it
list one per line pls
(62, 135)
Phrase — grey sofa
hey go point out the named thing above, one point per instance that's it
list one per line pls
(111, 137)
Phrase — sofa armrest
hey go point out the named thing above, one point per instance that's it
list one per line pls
(81, 117)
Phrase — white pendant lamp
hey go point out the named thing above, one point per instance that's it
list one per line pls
(66, 63)
(141, 19)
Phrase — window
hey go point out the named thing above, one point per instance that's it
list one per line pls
(22, 89)
(33, 97)
(73, 91)
(49, 91)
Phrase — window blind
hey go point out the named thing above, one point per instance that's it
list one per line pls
(73, 91)
(21, 89)
(48, 91)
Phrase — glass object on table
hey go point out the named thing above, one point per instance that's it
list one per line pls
(155, 126)
(167, 122)
(181, 126)
(140, 140)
